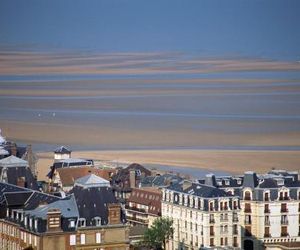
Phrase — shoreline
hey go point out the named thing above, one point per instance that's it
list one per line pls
(227, 161)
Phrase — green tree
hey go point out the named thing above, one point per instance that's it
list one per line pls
(159, 233)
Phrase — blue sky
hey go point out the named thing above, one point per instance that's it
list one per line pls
(256, 29)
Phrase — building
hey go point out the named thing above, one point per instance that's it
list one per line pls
(270, 208)
(65, 177)
(89, 219)
(62, 153)
(127, 178)
(143, 206)
(54, 182)
(16, 171)
(160, 180)
(203, 215)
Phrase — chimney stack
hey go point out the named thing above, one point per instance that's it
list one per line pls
(210, 180)
(114, 214)
(54, 220)
(13, 149)
(132, 178)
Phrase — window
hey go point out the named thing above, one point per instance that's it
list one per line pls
(35, 241)
(82, 239)
(30, 239)
(72, 240)
(247, 208)
(211, 242)
(81, 222)
(30, 222)
(35, 224)
(267, 232)
(247, 196)
(267, 198)
(98, 237)
(267, 210)
(72, 223)
(284, 231)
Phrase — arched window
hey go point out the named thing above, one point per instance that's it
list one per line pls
(247, 195)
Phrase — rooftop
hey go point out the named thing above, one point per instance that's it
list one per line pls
(92, 180)
(13, 161)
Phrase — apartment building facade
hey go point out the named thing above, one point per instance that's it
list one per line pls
(203, 216)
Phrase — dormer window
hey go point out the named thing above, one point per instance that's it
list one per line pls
(72, 223)
(36, 224)
(283, 195)
(30, 222)
(97, 221)
(82, 222)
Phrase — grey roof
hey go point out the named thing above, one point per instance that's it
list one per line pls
(92, 202)
(92, 180)
(250, 179)
(62, 150)
(200, 190)
(67, 207)
(3, 151)
(13, 161)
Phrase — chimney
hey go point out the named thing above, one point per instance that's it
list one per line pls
(54, 220)
(13, 149)
(210, 180)
(114, 214)
(132, 178)
(21, 182)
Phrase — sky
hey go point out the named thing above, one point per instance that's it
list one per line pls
(207, 28)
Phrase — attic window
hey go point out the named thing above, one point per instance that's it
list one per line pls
(72, 223)
(82, 222)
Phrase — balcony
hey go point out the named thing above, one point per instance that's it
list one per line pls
(267, 223)
(284, 234)
(284, 222)
(224, 219)
(284, 198)
(284, 210)
(137, 220)
(267, 235)
(267, 211)
(235, 219)
(247, 210)
(247, 222)
(211, 221)
(141, 210)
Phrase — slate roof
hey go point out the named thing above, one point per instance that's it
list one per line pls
(62, 150)
(160, 180)
(17, 168)
(12, 195)
(200, 190)
(13, 161)
(3, 151)
(92, 202)
(92, 180)
(67, 207)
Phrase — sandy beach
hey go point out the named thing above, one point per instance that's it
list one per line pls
(231, 161)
